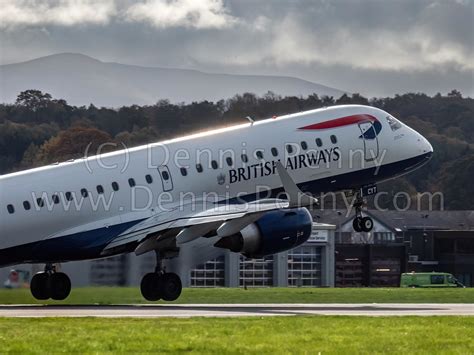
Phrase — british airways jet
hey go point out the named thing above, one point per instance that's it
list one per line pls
(248, 186)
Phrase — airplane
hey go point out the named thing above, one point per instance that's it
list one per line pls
(248, 186)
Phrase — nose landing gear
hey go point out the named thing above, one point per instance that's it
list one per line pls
(361, 223)
(50, 284)
(160, 284)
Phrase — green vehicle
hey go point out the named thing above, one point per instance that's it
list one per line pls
(429, 279)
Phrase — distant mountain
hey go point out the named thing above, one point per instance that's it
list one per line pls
(82, 80)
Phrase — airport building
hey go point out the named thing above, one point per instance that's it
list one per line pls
(402, 241)
(311, 264)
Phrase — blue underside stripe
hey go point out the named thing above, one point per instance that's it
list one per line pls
(78, 246)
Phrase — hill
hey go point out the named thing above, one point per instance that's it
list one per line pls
(82, 80)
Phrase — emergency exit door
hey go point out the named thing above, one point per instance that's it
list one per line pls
(166, 179)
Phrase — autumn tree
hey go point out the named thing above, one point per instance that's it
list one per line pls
(75, 143)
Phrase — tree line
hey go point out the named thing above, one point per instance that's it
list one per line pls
(39, 129)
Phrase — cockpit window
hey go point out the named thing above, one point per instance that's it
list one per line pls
(394, 123)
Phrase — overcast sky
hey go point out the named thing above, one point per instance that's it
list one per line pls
(368, 46)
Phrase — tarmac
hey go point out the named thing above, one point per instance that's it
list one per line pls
(235, 310)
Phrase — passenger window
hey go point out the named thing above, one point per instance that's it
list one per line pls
(69, 196)
(259, 154)
(115, 186)
(11, 209)
(55, 199)
(274, 152)
(304, 145)
(84, 193)
(245, 158)
(165, 175)
(214, 164)
(319, 142)
(199, 167)
(100, 189)
(131, 182)
(184, 172)
(333, 139)
(26, 205)
(39, 202)
(289, 148)
(229, 161)
(148, 179)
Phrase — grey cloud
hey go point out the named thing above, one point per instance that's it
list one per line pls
(180, 13)
(369, 46)
(24, 13)
(158, 13)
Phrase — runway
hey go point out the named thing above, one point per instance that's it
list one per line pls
(235, 310)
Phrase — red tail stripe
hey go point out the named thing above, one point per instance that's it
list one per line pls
(339, 122)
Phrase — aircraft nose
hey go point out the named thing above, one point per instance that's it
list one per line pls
(425, 145)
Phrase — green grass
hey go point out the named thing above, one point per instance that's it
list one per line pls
(311, 335)
(127, 295)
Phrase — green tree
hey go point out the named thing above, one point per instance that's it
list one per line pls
(33, 99)
(456, 183)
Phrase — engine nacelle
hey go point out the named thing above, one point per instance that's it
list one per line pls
(274, 232)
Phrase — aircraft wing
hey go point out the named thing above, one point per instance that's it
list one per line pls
(219, 220)
(183, 224)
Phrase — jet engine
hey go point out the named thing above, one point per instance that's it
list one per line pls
(274, 232)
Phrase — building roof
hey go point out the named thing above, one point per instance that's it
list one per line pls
(400, 221)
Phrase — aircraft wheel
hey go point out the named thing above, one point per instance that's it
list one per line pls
(357, 224)
(150, 286)
(60, 286)
(40, 286)
(367, 224)
(170, 286)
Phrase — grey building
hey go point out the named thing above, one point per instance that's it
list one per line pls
(402, 241)
(311, 264)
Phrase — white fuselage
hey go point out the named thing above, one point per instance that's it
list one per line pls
(347, 160)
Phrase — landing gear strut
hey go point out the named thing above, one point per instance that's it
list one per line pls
(50, 284)
(360, 223)
(160, 284)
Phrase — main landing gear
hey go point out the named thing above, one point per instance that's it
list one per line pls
(50, 284)
(360, 223)
(160, 284)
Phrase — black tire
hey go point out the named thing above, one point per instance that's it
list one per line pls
(367, 224)
(60, 286)
(40, 286)
(357, 224)
(171, 287)
(150, 286)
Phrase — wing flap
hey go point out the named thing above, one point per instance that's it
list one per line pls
(215, 216)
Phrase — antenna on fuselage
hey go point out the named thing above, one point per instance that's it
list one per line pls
(251, 120)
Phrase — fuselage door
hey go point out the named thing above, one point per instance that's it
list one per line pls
(371, 142)
(166, 179)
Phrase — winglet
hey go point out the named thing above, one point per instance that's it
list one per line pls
(251, 120)
(296, 197)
